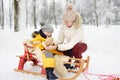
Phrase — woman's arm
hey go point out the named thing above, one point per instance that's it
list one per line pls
(78, 37)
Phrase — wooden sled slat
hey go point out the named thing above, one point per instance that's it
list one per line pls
(72, 71)
(83, 66)
(77, 59)
(72, 63)
(29, 72)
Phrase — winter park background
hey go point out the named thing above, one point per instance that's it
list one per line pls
(101, 21)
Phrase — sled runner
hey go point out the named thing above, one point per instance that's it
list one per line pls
(28, 56)
(29, 72)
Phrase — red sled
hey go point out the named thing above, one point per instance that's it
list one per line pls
(28, 56)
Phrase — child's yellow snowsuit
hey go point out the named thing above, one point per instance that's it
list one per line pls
(47, 56)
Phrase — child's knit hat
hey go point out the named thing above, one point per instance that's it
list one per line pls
(47, 28)
(69, 14)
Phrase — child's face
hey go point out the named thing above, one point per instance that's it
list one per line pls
(48, 34)
(69, 23)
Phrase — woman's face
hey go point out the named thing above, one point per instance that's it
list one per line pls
(69, 23)
(48, 34)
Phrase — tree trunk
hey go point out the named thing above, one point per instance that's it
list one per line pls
(26, 14)
(10, 14)
(34, 13)
(95, 12)
(16, 15)
(0, 17)
(108, 20)
(0, 14)
(2, 23)
(49, 12)
(54, 13)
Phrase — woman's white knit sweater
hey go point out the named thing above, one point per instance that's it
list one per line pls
(68, 37)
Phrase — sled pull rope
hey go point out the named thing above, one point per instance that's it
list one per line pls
(102, 76)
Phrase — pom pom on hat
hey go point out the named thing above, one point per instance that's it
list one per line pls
(47, 28)
(69, 14)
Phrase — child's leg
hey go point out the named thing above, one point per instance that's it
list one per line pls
(49, 64)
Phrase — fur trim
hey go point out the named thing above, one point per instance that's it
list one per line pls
(78, 21)
(38, 54)
(28, 42)
(60, 68)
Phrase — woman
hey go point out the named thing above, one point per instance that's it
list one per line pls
(70, 38)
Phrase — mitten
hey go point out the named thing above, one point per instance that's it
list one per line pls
(49, 41)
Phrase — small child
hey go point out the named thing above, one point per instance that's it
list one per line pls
(41, 42)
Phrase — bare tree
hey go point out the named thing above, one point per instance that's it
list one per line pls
(54, 13)
(16, 15)
(116, 12)
(10, 12)
(0, 13)
(2, 17)
(108, 19)
(26, 14)
(95, 12)
(34, 13)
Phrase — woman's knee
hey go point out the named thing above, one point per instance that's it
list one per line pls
(78, 49)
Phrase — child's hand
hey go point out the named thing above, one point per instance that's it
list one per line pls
(51, 47)
(49, 41)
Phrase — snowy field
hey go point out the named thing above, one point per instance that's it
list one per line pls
(103, 49)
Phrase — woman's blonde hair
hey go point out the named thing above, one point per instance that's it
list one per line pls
(78, 21)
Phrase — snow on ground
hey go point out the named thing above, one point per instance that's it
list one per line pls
(103, 49)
